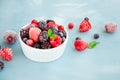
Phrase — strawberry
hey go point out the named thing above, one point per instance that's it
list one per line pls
(34, 34)
(55, 41)
(6, 53)
(80, 45)
(85, 25)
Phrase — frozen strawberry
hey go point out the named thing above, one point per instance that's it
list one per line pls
(111, 27)
(60, 27)
(70, 25)
(85, 25)
(6, 53)
(55, 41)
(34, 34)
(80, 45)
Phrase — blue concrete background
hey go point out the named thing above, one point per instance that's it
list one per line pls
(100, 63)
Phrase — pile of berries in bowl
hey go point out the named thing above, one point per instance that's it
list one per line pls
(43, 40)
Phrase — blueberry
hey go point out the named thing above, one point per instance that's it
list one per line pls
(47, 21)
(63, 39)
(54, 30)
(86, 18)
(96, 36)
(60, 34)
(37, 45)
(43, 37)
(25, 39)
(78, 38)
(42, 25)
(1, 65)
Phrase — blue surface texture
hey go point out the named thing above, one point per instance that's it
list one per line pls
(100, 63)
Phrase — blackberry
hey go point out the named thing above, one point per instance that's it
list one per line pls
(45, 45)
(36, 45)
(96, 36)
(42, 25)
(86, 18)
(43, 37)
(47, 21)
(24, 33)
(78, 38)
(1, 65)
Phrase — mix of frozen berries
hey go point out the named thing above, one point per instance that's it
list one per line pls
(85, 25)
(43, 34)
(80, 45)
(10, 36)
(6, 53)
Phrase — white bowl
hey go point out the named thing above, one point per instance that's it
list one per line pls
(43, 55)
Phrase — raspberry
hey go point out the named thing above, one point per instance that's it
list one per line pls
(85, 25)
(1, 65)
(6, 53)
(30, 42)
(70, 25)
(80, 45)
(60, 27)
(34, 34)
(111, 27)
(34, 22)
(56, 41)
(51, 24)
(10, 36)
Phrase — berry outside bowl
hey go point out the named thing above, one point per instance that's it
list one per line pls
(43, 55)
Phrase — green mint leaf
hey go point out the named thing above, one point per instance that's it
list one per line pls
(49, 32)
(53, 36)
(92, 44)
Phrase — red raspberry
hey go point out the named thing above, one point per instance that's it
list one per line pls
(34, 34)
(85, 25)
(6, 53)
(51, 24)
(34, 22)
(111, 27)
(60, 27)
(56, 41)
(80, 45)
(30, 42)
(70, 25)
